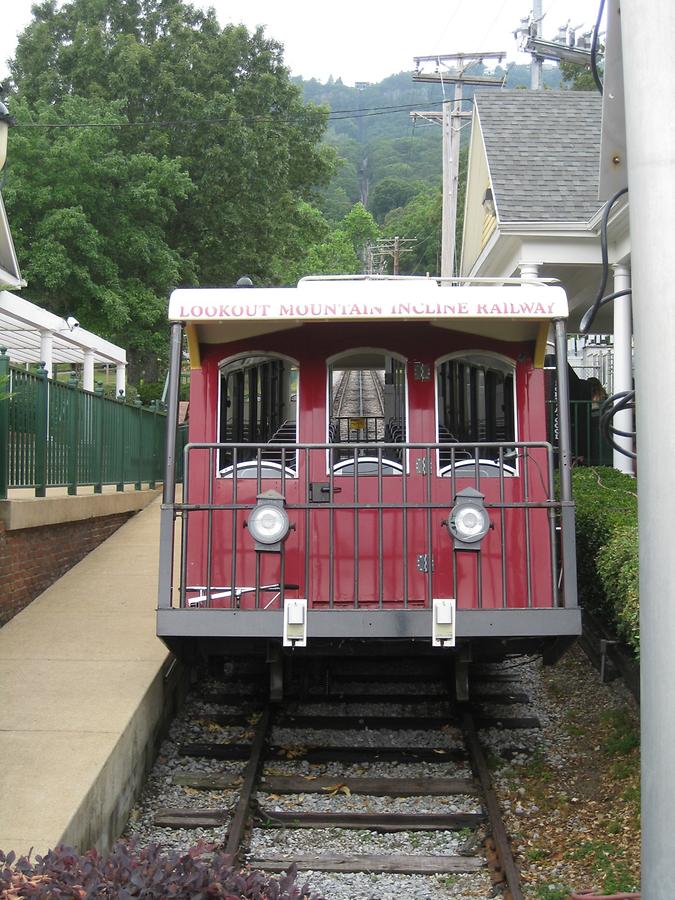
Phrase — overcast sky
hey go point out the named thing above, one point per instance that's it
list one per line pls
(366, 41)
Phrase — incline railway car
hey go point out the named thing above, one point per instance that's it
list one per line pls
(367, 469)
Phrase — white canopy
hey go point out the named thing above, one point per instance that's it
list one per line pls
(32, 334)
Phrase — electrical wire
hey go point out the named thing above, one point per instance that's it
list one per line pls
(333, 116)
(623, 400)
(594, 49)
(600, 298)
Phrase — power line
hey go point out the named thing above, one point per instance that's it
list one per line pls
(333, 116)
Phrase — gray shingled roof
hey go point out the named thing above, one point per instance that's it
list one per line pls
(543, 151)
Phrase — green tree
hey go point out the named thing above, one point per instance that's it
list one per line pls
(341, 251)
(89, 220)
(219, 100)
(420, 219)
(391, 193)
(360, 228)
(576, 77)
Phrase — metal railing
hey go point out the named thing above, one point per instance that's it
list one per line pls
(357, 429)
(368, 532)
(589, 446)
(54, 434)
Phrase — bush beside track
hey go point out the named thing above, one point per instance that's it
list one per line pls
(146, 872)
(607, 548)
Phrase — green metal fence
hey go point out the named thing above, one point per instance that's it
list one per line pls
(57, 435)
(589, 447)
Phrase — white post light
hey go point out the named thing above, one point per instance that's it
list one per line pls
(46, 351)
(120, 380)
(88, 371)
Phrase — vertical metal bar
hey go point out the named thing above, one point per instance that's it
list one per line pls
(209, 528)
(331, 535)
(404, 502)
(502, 526)
(479, 554)
(139, 480)
(430, 545)
(235, 491)
(569, 557)
(258, 560)
(4, 423)
(551, 528)
(152, 474)
(185, 527)
(528, 548)
(282, 576)
(167, 518)
(357, 558)
(380, 536)
(564, 432)
(306, 454)
(121, 422)
(73, 429)
(41, 432)
(98, 437)
(453, 493)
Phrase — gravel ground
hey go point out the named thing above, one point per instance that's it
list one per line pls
(335, 801)
(566, 796)
(449, 769)
(367, 737)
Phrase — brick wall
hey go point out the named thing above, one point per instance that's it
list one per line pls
(33, 558)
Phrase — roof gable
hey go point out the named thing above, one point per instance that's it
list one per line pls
(10, 276)
(543, 152)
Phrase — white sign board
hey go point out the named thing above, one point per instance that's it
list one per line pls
(363, 300)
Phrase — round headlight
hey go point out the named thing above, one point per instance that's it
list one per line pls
(469, 523)
(268, 523)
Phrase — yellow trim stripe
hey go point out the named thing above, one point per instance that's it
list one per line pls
(193, 346)
(540, 345)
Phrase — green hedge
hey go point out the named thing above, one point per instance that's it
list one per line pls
(607, 548)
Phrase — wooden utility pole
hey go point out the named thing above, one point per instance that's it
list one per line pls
(450, 119)
(388, 247)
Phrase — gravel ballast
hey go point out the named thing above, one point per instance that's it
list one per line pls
(552, 810)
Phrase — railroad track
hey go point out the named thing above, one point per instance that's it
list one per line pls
(292, 753)
(359, 393)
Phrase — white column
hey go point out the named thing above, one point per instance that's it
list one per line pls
(88, 373)
(647, 31)
(46, 348)
(623, 365)
(529, 270)
(120, 379)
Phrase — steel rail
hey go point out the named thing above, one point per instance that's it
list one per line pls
(240, 818)
(498, 859)
(501, 839)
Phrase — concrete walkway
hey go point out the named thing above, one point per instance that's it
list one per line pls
(82, 695)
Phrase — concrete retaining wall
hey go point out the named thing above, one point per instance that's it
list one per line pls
(42, 538)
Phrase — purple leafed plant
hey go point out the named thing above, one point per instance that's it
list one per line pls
(148, 872)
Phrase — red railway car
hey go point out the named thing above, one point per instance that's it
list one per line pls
(367, 465)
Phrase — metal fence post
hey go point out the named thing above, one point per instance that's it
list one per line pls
(4, 423)
(74, 442)
(153, 442)
(122, 415)
(41, 431)
(98, 440)
(139, 481)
